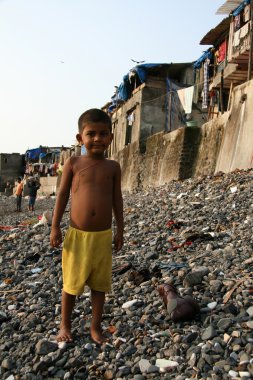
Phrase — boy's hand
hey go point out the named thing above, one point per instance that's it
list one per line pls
(118, 241)
(55, 237)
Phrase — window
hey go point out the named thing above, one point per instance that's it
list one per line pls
(130, 122)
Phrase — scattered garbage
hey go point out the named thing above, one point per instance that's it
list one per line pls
(139, 276)
(121, 268)
(45, 220)
(128, 304)
(36, 270)
(233, 189)
(179, 308)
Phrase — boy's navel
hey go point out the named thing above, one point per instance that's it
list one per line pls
(93, 213)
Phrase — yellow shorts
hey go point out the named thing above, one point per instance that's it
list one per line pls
(87, 260)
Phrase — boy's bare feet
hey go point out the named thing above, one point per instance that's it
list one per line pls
(97, 336)
(64, 334)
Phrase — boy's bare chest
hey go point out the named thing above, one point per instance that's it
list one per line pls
(100, 176)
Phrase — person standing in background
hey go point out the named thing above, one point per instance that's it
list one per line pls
(33, 188)
(19, 191)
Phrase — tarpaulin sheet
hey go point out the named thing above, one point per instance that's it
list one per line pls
(238, 10)
(204, 56)
(33, 154)
(123, 92)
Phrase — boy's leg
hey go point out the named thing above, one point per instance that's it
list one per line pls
(68, 301)
(97, 303)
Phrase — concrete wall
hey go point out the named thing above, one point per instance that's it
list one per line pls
(150, 105)
(48, 185)
(161, 162)
(119, 122)
(237, 148)
(11, 167)
(130, 161)
(168, 156)
(211, 135)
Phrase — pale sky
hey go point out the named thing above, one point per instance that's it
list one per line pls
(62, 57)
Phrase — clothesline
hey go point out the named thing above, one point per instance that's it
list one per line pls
(171, 91)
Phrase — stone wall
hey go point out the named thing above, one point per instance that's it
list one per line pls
(161, 162)
(168, 156)
(130, 160)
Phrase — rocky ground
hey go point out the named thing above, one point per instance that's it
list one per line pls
(195, 234)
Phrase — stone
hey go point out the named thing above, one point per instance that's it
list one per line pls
(43, 347)
(224, 324)
(158, 227)
(7, 364)
(249, 311)
(249, 324)
(209, 333)
(144, 365)
(164, 363)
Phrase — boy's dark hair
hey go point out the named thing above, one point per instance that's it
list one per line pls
(94, 115)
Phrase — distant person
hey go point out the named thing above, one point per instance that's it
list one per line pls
(33, 187)
(19, 191)
(95, 185)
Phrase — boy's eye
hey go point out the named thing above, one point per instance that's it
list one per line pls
(102, 133)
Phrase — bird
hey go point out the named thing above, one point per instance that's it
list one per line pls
(137, 61)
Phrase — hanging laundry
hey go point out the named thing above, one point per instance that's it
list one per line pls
(222, 52)
(213, 98)
(205, 86)
(186, 95)
(130, 118)
(244, 30)
(246, 13)
(237, 22)
(236, 41)
(230, 42)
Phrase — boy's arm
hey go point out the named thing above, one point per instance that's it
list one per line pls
(60, 205)
(118, 209)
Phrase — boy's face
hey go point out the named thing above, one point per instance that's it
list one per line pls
(96, 137)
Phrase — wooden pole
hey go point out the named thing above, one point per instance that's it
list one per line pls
(170, 109)
(251, 41)
(221, 92)
(230, 95)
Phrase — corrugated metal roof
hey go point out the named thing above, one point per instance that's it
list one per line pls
(228, 7)
(213, 35)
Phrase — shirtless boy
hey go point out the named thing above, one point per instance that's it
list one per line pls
(95, 186)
